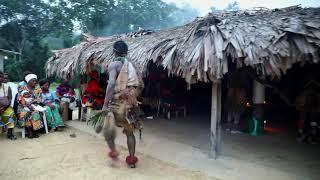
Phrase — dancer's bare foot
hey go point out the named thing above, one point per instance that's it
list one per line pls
(131, 161)
(113, 155)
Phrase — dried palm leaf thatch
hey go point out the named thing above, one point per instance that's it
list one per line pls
(268, 40)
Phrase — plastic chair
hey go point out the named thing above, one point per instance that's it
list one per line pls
(44, 119)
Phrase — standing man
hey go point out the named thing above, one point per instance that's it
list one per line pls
(120, 100)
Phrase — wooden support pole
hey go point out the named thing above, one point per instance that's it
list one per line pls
(258, 109)
(258, 93)
(258, 99)
(80, 97)
(215, 130)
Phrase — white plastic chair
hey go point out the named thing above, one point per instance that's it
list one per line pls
(42, 110)
(22, 130)
(44, 119)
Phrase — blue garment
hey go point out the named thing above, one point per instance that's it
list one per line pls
(49, 97)
(53, 117)
(22, 83)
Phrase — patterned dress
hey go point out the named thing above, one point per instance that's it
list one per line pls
(7, 117)
(26, 116)
(53, 116)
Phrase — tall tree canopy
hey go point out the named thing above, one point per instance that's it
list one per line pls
(34, 27)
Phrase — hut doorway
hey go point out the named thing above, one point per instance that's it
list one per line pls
(191, 127)
(281, 111)
(194, 129)
(169, 96)
(284, 110)
(168, 93)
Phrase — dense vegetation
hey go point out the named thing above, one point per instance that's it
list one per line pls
(35, 27)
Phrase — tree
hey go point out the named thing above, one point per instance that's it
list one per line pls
(24, 24)
(106, 17)
(34, 27)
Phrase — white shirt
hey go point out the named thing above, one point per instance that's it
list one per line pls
(14, 90)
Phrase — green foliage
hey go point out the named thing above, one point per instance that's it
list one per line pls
(33, 61)
(35, 27)
(106, 17)
(96, 119)
(24, 26)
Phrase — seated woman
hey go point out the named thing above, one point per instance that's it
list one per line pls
(50, 102)
(28, 116)
(7, 115)
(64, 88)
(66, 94)
(93, 95)
(24, 82)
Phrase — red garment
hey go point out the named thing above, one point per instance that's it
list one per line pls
(92, 93)
(93, 87)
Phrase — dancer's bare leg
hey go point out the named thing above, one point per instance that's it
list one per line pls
(131, 142)
(109, 133)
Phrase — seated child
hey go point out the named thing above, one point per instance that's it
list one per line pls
(30, 102)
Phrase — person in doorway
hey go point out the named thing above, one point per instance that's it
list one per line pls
(93, 96)
(236, 100)
(7, 115)
(121, 98)
(28, 116)
(50, 102)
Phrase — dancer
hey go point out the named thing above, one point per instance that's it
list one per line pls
(120, 100)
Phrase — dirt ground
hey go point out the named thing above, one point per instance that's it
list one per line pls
(58, 156)
(276, 151)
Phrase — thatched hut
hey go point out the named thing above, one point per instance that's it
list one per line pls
(269, 41)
